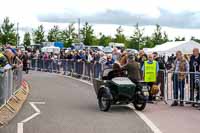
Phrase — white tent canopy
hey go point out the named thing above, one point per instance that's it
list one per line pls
(51, 49)
(171, 47)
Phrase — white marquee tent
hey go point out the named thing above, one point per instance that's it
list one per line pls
(171, 47)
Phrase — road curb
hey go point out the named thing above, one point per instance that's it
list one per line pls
(14, 105)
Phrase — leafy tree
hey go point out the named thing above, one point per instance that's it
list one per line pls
(195, 39)
(120, 37)
(38, 35)
(148, 42)
(68, 36)
(165, 38)
(105, 40)
(27, 39)
(158, 37)
(54, 34)
(179, 38)
(137, 38)
(87, 34)
(8, 33)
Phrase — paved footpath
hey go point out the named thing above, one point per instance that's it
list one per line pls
(71, 107)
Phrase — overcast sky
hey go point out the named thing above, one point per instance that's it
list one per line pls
(182, 14)
(174, 13)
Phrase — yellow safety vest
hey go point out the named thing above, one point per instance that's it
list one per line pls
(150, 73)
(3, 60)
(1, 55)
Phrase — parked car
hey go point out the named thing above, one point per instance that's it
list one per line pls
(107, 50)
(132, 51)
(94, 48)
(77, 46)
(117, 45)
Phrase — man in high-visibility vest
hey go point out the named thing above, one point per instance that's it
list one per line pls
(150, 71)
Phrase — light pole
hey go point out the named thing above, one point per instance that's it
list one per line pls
(79, 26)
(17, 34)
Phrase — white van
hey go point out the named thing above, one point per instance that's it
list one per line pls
(117, 45)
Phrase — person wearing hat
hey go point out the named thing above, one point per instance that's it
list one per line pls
(133, 69)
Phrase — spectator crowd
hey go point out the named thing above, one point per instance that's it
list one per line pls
(152, 68)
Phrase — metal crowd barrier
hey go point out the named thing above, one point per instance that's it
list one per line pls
(10, 82)
(69, 67)
(84, 69)
(183, 86)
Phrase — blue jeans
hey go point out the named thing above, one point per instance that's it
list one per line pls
(97, 70)
(40, 64)
(50, 68)
(64, 65)
(87, 69)
(46, 64)
(178, 85)
(33, 62)
(69, 66)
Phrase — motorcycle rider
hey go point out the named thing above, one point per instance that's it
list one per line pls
(133, 69)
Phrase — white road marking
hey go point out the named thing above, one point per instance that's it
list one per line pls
(30, 117)
(20, 128)
(20, 125)
(153, 127)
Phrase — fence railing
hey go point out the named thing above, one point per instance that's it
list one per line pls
(70, 67)
(173, 86)
(183, 86)
(10, 82)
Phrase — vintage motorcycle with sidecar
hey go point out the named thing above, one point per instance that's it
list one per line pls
(119, 91)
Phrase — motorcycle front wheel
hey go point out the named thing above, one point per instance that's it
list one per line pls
(140, 101)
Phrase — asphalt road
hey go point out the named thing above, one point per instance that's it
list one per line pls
(71, 107)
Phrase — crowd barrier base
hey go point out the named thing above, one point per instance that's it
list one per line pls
(10, 82)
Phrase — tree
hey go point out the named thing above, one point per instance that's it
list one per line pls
(137, 38)
(68, 36)
(27, 39)
(158, 37)
(165, 38)
(179, 38)
(148, 42)
(88, 34)
(54, 34)
(7, 33)
(120, 37)
(38, 35)
(105, 40)
(195, 39)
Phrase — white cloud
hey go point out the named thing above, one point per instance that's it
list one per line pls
(26, 12)
(29, 9)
